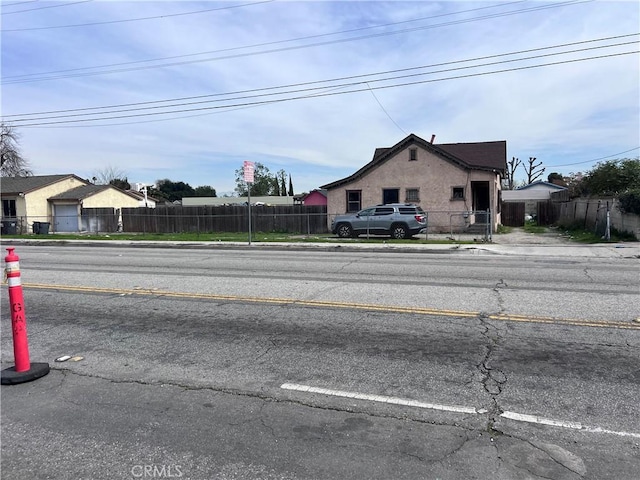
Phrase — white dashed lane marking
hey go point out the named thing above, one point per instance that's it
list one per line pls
(519, 417)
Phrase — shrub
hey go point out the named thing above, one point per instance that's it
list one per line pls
(630, 201)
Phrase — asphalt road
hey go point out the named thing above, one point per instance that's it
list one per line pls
(234, 364)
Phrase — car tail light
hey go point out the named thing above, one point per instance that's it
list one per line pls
(419, 218)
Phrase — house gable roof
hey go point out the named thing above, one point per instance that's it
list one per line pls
(85, 191)
(491, 156)
(540, 183)
(17, 185)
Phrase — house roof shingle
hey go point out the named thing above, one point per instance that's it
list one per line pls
(476, 156)
(80, 193)
(17, 185)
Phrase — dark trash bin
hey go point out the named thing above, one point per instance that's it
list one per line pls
(9, 227)
(41, 228)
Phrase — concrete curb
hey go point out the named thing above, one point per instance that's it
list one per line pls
(629, 250)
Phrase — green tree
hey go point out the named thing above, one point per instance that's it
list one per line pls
(205, 191)
(290, 186)
(121, 183)
(613, 177)
(263, 185)
(556, 179)
(281, 177)
(172, 191)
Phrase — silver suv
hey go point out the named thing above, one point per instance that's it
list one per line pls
(399, 220)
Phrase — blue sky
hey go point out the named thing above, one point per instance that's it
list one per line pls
(347, 81)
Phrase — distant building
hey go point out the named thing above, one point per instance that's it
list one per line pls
(214, 201)
(314, 197)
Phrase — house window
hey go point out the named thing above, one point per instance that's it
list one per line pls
(457, 193)
(412, 195)
(8, 208)
(390, 195)
(354, 200)
(413, 154)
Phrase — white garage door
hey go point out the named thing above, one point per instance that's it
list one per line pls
(65, 218)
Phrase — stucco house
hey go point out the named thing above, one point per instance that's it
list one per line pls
(456, 183)
(57, 200)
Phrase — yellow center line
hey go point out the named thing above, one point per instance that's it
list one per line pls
(506, 317)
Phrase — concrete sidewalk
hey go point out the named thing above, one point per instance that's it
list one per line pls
(517, 243)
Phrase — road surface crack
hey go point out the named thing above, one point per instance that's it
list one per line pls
(499, 286)
(493, 379)
(586, 273)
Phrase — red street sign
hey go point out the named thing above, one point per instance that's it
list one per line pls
(249, 168)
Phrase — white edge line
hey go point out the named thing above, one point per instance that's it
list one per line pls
(521, 417)
(377, 398)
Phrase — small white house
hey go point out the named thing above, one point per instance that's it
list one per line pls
(531, 194)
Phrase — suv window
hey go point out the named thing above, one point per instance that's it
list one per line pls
(410, 210)
(384, 211)
(366, 212)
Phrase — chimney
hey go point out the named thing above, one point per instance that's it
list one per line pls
(433, 137)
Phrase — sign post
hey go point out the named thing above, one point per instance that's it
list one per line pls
(248, 170)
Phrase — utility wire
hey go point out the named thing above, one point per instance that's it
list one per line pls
(596, 159)
(48, 6)
(18, 3)
(385, 111)
(316, 95)
(92, 24)
(348, 78)
(45, 76)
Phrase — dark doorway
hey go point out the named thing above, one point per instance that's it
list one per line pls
(390, 195)
(481, 200)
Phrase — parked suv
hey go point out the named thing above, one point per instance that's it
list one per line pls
(399, 220)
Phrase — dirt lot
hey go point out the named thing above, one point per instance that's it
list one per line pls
(519, 236)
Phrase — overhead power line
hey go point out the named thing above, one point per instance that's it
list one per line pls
(18, 3)
(299, 97)
(48, 6)
(82, 72)
(370, 77)
(126, 20)
(597, 159)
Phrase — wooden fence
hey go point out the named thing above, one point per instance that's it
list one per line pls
(226, 218)
(512, 214)
(99, 219)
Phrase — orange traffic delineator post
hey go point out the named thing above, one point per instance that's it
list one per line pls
(24, 370)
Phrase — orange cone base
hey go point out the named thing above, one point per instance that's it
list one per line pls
(11, 377)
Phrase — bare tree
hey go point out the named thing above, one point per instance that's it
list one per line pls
(12, 163)
(108, 174)
(533, 170)
(512, 166)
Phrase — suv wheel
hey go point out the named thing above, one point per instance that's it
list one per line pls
(345, 230)
(399, 231)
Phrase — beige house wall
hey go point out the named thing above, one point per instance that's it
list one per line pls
(434, 176)
(35, 205)
(110, 198)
